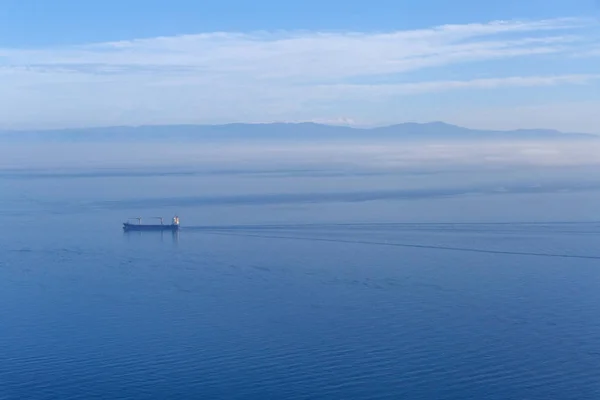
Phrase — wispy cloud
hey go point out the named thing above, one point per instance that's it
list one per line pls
(234, 76)
(588, 52)
(381, 91)
(307, 55)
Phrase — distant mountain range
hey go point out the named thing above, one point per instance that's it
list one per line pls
(307, 131)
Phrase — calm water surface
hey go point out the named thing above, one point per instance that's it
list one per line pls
(274, 290)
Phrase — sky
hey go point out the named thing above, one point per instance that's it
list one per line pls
(496, 65)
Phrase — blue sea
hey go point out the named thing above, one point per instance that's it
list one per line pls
(322, 283)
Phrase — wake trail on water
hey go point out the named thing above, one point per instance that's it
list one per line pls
(561, 227)
(395, 224)
(250, 231)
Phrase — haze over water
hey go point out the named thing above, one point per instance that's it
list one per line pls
(297, 274)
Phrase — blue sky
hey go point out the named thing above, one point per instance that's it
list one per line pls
(509, 64)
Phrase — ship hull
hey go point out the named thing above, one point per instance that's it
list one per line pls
(138, 227)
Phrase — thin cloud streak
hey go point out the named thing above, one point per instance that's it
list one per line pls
(440, 86)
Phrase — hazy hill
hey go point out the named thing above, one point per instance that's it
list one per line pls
(285, 131)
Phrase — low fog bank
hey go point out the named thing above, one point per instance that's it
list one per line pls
(301, 155)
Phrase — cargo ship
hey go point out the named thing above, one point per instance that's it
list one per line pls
(173, 226)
